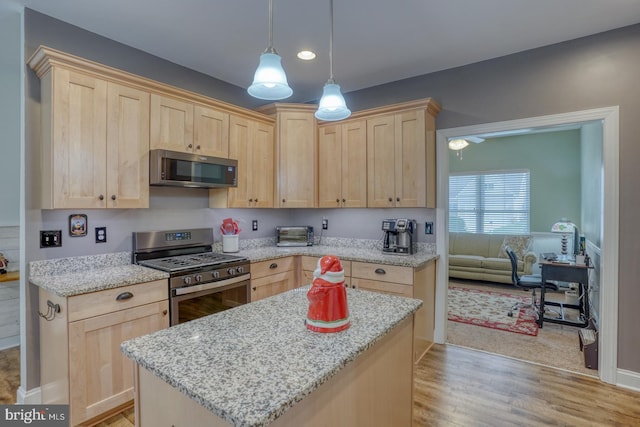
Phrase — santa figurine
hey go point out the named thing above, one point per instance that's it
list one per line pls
(328, 311)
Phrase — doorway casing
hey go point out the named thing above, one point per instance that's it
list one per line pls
(609, 116)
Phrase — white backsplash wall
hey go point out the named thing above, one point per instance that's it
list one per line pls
(179, 208)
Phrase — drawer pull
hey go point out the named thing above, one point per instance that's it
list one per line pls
(124, 296)
(254, 288)
(273, 265)
(380, 271)
(164, 312)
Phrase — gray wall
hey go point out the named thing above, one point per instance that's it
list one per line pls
(553, 161)
(10, 78)
(586, 73)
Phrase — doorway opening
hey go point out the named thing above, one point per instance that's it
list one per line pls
(608, 298)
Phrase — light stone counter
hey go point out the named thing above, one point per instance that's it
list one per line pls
(250, 364)
(67, 277)
(364, 250)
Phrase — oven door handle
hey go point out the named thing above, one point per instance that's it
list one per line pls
(212, 285)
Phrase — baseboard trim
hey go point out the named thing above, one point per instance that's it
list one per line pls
(628, 379)
(29, 397)
(9, 342)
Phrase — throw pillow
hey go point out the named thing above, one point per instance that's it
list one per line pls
(518, 244)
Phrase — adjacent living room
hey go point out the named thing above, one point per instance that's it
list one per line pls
(509, 190)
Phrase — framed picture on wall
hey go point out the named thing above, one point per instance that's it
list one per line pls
(77, 225)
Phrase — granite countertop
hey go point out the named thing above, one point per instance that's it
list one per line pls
(67, 277)
(364, 250)
(248, 365)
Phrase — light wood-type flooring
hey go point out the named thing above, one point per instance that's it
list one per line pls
(455, 386)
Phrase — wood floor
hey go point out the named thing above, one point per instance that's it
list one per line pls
(462, 387)
(455, 386)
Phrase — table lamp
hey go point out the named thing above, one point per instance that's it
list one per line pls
(564, 227)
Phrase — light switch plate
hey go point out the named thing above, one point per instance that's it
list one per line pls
(51, 239)
(428, 227)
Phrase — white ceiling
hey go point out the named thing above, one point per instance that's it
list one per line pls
(375, 41)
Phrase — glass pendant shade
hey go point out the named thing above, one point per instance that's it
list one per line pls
(270, 81)
(332, 106)
(457, 144)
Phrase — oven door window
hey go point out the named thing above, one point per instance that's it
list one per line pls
(193, 306)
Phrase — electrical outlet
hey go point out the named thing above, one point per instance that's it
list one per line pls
(254, 225)
(325, 224)
(51, 239)
(101, 234)
(428, 227)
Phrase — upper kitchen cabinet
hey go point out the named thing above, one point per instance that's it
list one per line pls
(296, 148)
(183, 126)
(342, 165)
(94, 138)
(401, 155)
(251, 143)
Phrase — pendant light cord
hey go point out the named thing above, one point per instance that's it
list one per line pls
(270, 48)
(331, 41)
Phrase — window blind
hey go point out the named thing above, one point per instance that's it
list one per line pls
(491, 202)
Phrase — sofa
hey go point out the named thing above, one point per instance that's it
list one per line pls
(482, 256)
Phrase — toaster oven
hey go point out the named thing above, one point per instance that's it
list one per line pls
(294, 235)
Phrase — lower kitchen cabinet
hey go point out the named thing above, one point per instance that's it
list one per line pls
(309, 264)
(269, 278)
(409, 282)
(81, 363)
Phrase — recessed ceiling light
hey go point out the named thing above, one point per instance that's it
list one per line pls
(306, 55)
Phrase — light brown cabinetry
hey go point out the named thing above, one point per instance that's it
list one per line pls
(81, 363)
(183, 126)
(296, 150)
(272, 277)
(308, 265)
(408, 282)
(251, 144)
(401, 156)
(95, 142)
(342, 165)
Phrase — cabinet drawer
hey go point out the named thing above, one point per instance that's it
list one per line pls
(383, 287)
(382, 272)
(309, 263)
(102, 302)
(267, 268)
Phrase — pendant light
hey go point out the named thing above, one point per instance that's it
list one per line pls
(270, 81)
(332, 106)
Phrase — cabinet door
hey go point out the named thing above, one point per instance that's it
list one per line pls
(330, 167)
(262, 172)
(381, 162)
(75, 160)
(171, 124)
(265, 287)
(127, 147)
(251, 144)
(210, 132)
(410, 159)
(296, 160)
(101, 377)
(354, 165)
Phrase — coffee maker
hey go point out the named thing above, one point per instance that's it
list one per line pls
(398, 236)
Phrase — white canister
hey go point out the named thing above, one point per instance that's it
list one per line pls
(230, 243)
(579, 259)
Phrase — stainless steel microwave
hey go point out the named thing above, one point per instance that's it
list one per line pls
(173, 168)
(294, 235)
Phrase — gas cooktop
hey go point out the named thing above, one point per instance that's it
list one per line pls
(185, 262)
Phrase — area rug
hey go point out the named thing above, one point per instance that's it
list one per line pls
(490, 309)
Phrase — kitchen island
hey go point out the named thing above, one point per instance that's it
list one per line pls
(258, 365)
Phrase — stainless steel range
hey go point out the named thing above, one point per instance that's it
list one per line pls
(201, 282)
